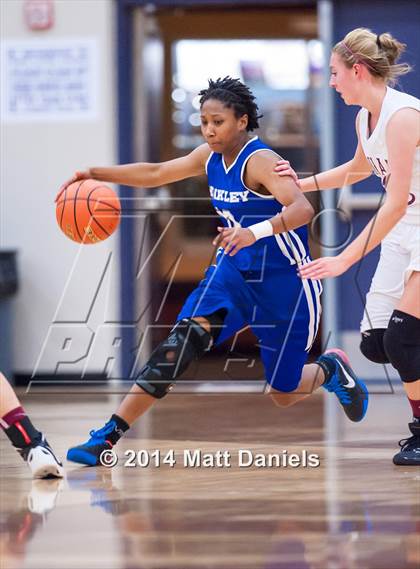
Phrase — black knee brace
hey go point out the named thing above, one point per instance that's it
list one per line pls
(186, 342)
(372, 345)
(216, 321)
(402, 345)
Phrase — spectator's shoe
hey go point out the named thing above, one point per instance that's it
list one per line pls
(409, 454)
(351, 391)
(41, 460)
(89, 453)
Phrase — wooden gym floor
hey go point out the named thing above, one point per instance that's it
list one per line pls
(355, 511)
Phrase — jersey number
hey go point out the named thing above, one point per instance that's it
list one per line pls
(230, 220)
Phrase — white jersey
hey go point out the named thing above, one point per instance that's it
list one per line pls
(375, 149)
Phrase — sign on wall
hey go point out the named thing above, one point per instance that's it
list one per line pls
(39, 14)
(49, 80)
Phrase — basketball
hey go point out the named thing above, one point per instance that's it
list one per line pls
(88, 211)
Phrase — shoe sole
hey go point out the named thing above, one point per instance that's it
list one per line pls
(82, 457)
(344, 357)
(365, 400)
(408, 462)
(339, 353)
(49, 471)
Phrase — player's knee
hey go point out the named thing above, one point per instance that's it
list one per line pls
(216, 321)
(402, 345)
(372, 345)
(186, 342)
(283, 399)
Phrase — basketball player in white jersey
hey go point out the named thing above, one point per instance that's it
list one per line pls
(363, 66)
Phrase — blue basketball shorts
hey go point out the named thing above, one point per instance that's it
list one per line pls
(282, 310)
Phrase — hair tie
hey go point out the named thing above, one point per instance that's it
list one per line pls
(378, 41)
(346, 47)
(357, 57)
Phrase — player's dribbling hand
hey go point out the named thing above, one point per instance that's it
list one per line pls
(81, 175)
(323, 268)
(232, 239)
(283, 168)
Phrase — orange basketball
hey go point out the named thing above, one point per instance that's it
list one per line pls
(88, 212)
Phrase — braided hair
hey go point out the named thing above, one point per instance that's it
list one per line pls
(234, 95)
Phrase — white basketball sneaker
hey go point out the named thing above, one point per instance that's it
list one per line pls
(42, 461)
(43, 495)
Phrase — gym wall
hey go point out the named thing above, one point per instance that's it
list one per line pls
(67, 291)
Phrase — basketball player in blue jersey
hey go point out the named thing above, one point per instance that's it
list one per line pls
(262, 241)
(363, 66)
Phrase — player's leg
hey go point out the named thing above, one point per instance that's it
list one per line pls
(385, 292)
(8, 399)
(188, 340)
(312, 377)
(390, 303)
(402, 346)
(333, 372)
(290, 380)
(284, 347)
(200, 324)
(138, 401)
(28, 441)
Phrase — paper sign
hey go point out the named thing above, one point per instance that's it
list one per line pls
(49, 80)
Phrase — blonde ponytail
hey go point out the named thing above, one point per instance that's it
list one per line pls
(379, 53)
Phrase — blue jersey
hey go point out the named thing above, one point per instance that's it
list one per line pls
(282, 309)
(238, 205)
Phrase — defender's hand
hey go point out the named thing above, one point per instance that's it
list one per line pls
(323, 268)
(283, 168)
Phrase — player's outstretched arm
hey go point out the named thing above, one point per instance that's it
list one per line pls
(351, 172)
(348, 173)
(402, 138)
(146, 174)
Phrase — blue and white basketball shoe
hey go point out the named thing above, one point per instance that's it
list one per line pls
(90, 452)
(351, 391)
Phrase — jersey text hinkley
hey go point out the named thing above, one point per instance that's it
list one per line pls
(226, 196)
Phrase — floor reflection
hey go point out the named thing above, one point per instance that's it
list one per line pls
(20, 526)
(356, 511)
(275, 535)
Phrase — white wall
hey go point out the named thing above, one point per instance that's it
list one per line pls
(58, 277)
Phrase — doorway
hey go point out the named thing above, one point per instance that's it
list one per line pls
(276, 52)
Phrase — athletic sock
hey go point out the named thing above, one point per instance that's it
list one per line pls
(415, 405)
(120, 428)
(19, 429)
(328, 367)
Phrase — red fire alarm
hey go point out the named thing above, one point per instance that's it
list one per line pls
(39, 14)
